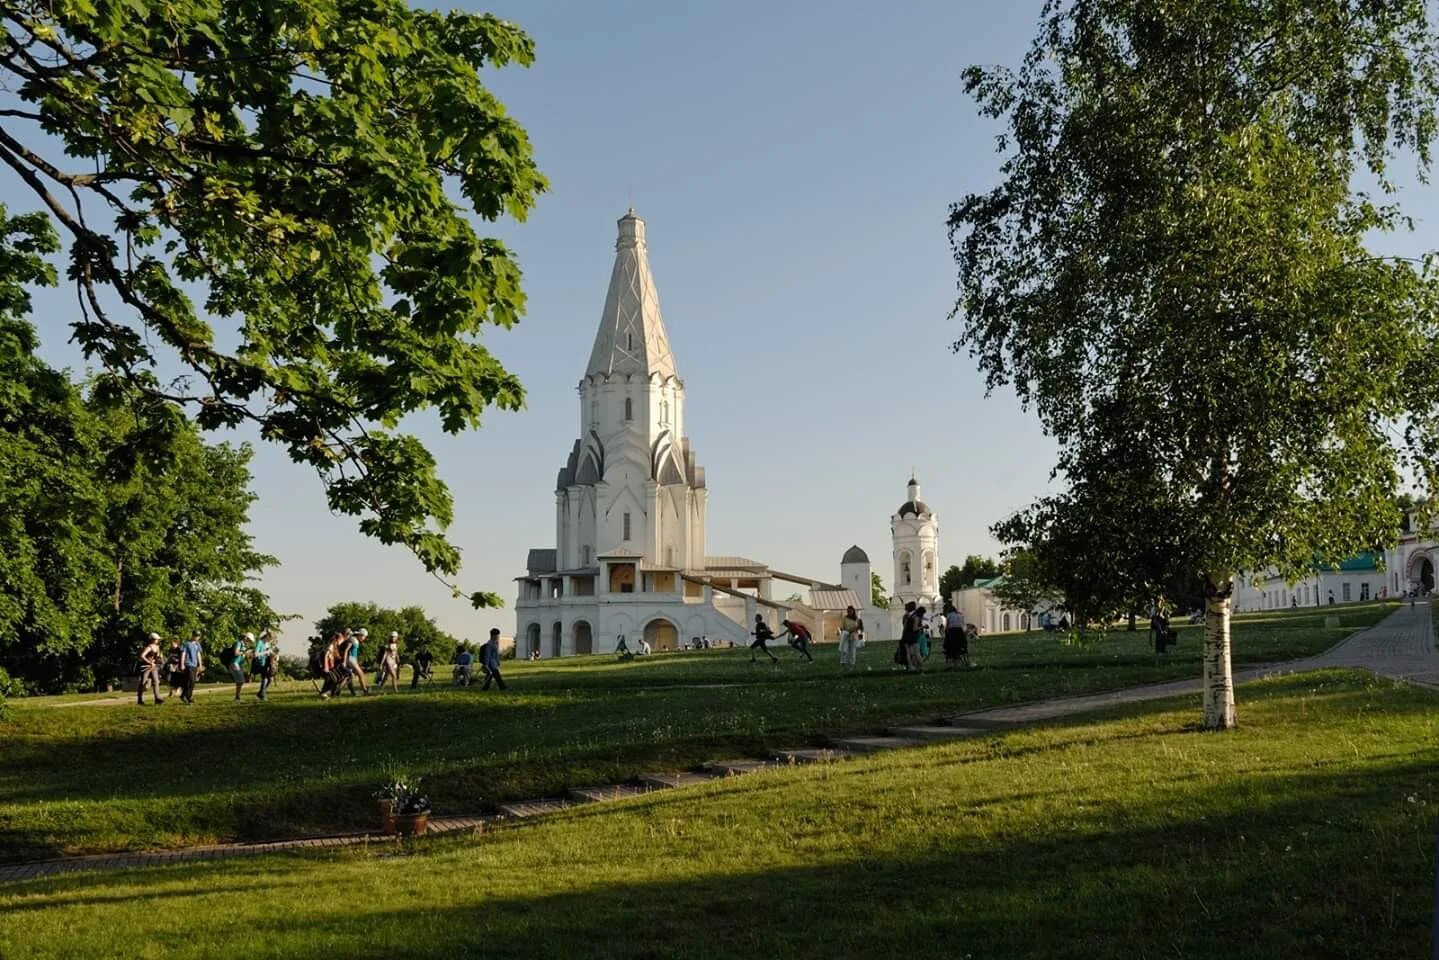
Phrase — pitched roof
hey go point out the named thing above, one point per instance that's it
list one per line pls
(728, 562)
(541, 561)
(631, 338)
(833, 599)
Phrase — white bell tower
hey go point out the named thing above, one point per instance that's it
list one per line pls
(915, 531)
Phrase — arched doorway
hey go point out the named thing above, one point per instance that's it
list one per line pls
(1426, 575)
(532, 638)
(557, 639)
(584, 639)
(662, 635)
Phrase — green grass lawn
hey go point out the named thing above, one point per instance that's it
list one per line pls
(77, 779)
(1308, 832)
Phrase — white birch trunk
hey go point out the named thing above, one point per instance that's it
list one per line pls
(1218, 676)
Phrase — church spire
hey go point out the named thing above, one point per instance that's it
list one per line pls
(631, 338)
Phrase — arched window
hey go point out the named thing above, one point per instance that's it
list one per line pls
(629, 339)
(629, 409)
(904, 575)
(665, 412)
(1006, 623)
(585, 554)
(594, 413)
(627, 526)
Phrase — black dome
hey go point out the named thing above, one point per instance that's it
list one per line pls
(913, 507)
(855, 555)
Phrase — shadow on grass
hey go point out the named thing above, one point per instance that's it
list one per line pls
(1339, 867)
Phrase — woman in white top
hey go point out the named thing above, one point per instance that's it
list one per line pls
(956, 642)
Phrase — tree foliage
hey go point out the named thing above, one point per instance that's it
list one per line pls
(273, 199)
(1174, 272)
(975, 568)
(878, 595)
(417, 630)
(116, 519)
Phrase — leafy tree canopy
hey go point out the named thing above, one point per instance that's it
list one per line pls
(274, 198)
(116, 519)
(962, 577)
(417, 631)
(1174, 272)
(878, 595)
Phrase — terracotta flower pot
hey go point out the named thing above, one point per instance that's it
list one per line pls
(387, 815)
(412, 824)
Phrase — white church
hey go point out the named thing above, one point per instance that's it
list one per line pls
(630, 514)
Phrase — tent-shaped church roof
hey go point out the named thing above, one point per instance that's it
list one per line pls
(631, 338)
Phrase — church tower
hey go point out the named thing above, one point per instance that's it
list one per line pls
(631, 485)
(915, 532)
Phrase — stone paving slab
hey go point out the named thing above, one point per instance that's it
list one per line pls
(735, 768)
(535, 808)
(608, 792)
(819, 755)
(936, 734)
(671, 781)
(875, 744)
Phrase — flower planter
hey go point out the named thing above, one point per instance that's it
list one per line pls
(412, 824)
(387, 815)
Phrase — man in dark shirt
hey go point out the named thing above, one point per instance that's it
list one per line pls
(762, 635)
(423, 659)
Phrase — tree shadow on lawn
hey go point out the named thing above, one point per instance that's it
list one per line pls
(1286, 879)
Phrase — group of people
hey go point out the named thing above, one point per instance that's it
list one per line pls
(918, 628)
(797, 633)
(183, 664)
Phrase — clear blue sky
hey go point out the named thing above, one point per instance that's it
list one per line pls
(794, 163)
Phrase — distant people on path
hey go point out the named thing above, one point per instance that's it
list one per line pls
(762, 636)
(423, 659)
(390, 663)
(149, 670)
(267, 656)
(192, 664)
(850, 628)
(799, 637)
(490, 660)
(956, 641)
(464, 667)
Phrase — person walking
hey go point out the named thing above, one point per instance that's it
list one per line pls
(332, 667)
(234, 659)
(191, 666)
(423, 659)
(490, 660)
(390, 663)
(762, 636)
(149, 671)
(464, 666)
(850, 628)
(175, 667)
(352, 661)
(266, 655)
(799, 637)
(956, 647)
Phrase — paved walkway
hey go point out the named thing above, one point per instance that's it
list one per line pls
(1401, 647)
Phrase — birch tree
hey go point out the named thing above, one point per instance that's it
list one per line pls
(1175, 272)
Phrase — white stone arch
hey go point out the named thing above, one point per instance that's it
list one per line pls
(904, 569)
(662, 633)
(557, 638)
(584, 637)
(1415, 570)
(532, 638)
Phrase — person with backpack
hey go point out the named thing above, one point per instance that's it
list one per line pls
(799, 637)
(149, 670)
(331, 667)
(233, 659)
(266, 655)
(192, 664)
(762, 636)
